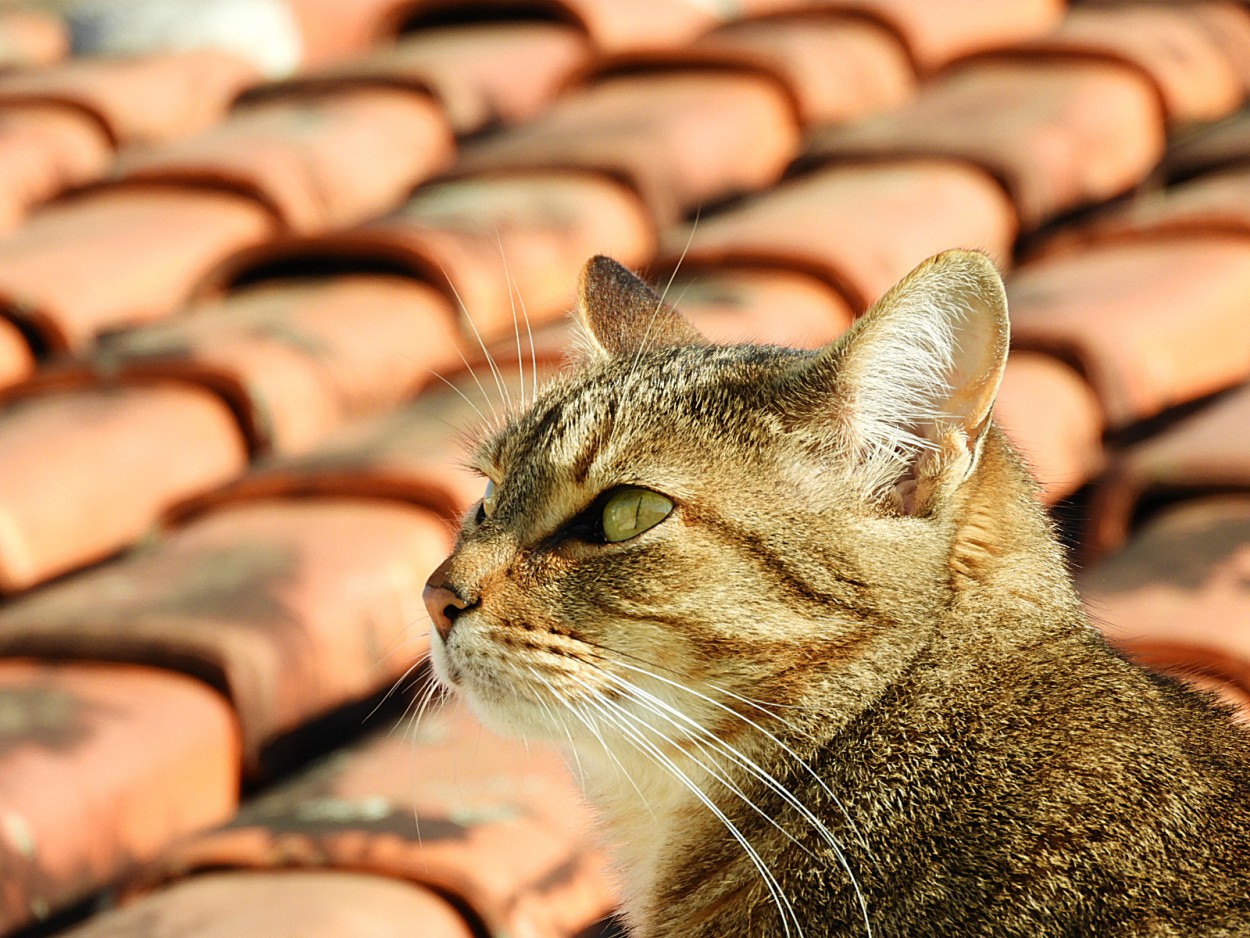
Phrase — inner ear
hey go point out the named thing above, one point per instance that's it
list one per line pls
(621, 314)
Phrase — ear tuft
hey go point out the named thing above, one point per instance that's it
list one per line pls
(620, 314)
(915, 379)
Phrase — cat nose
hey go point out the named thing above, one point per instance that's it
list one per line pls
(442, 601)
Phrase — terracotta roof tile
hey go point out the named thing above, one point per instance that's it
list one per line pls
(504, 248)
(297, 358)
(44, 150)
(1197, 68)
(312, 160)
(1207, 452)
(1066, 131)
(31, 37)
(79, 481)
(680, 137)
(291, 608)
(119, 257)
(309, 904)
(483, 76)
(16, 361)
(141, 99)
(939, 31)
(498, 825)
(858, 227)
(1209, 147)
(1176, 597)
(103, 766)
(1112, 310)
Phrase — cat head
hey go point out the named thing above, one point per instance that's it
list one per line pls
(678, 531)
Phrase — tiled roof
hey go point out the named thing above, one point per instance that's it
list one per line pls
(231, 304)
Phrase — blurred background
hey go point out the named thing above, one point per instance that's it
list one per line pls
(247, 245)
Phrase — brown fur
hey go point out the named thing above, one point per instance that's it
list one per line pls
(856, 609)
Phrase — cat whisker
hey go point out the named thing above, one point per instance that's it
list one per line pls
(420, 660)
(468, 400)
(659, 303)
(504, 395)
(516, 326)
(619, 719)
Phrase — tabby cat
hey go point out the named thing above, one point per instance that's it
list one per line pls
(805, 628)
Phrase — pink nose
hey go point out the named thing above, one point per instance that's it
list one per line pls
(443, 602)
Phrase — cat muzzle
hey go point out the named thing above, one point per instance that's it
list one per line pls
(442, 601)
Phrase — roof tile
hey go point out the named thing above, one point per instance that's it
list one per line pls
(141, 99)
(1065, 131)
(680, 137)
(505, 248)
(16, 361)
(310, 159)
(1209, 147)
(292, 608)
(297, 358)
(103, 765)
(859, 228)
(31, 37)
(484, 76)
(316, 904)
(1195, 68)
(118, 257)
(1052, 416)
(1208, 451)
(499, 825)
(331, 30)
(1176, 597)
(88, 472)
(44, 150)
(1112, 311)
(939, 31)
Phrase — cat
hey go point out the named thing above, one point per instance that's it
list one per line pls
(804, 625)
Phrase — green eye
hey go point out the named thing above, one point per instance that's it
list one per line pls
(631, 511)
(488, 499)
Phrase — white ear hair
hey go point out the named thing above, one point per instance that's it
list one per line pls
(917, 377)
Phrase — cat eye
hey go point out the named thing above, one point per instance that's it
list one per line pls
(489, 497)
(630, 511)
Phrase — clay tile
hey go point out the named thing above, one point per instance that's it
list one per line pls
(299, 357)
(315, 161)
(291, 608)
(144, 99)
(87, 473)
(1208, 451)
(118, 257)
(1215, 146)
(484, 75)
(506, 249)
(1052, 416)
(1112, 312)
(31, 37)
(315, 904)
(1058, 132)
(44, 150)
(331, 30)
(758, 305)
(1179, 51)
(837, 67)
(103, 766)
(938, 31)
(681, 138)
(499, 826)
(16, 361)
(859, 228)
(1175, 597)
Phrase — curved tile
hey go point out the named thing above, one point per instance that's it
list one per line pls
(102, 766)
(315, 161)
(859, 227)
(291, 608)
(681, 137)
(118, 257)
(499, 825)
(16, 361)
(141, 99)
(1065, 130)
(30, 37)
(297, 358)
(1150, 324)
(87, 473)
(314, 904)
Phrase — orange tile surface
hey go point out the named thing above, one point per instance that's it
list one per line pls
(229, 463)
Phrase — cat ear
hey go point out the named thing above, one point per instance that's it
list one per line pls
(915, 378)
(619, 314)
